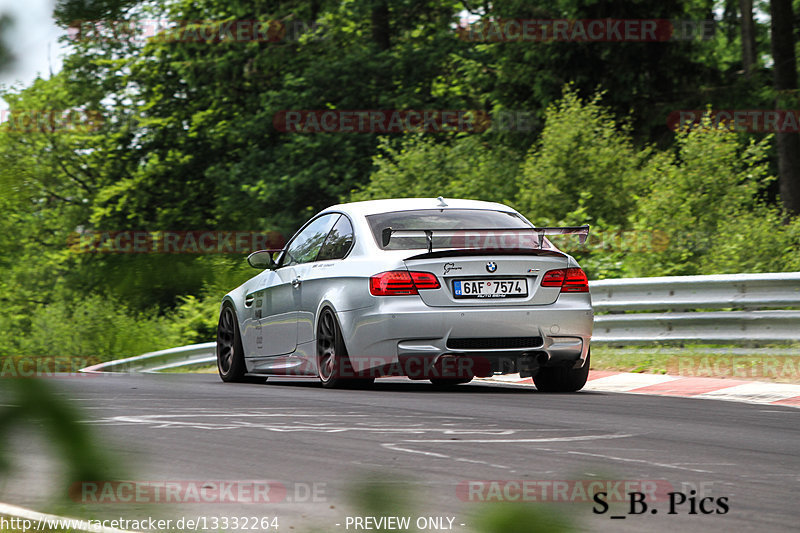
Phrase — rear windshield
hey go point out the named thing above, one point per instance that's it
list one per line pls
(443, 219)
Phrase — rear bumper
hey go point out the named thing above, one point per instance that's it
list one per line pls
(406, 333)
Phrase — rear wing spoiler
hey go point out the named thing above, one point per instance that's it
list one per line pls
(539, 233)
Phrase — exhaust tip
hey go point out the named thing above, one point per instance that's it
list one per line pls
(530, 362)
(543, 358)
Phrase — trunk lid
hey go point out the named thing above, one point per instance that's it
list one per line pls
(498, 277)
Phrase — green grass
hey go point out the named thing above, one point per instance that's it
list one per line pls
(777, 364)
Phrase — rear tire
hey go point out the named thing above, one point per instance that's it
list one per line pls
(562, 379)
(230, 355)
(333, 363)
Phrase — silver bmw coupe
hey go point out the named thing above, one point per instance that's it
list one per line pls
(438, 289)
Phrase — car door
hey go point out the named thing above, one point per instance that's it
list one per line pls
(317, 277)
(282, 291)
(251, 314)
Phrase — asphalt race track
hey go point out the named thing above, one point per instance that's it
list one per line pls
(743, 459)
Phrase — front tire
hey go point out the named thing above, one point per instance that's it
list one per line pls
(562, 379)
(230, 354)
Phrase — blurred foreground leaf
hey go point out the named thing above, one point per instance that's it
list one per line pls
(35, 403)
(518, 518)
(379, 497)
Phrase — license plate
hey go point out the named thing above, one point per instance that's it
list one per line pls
(490, 288)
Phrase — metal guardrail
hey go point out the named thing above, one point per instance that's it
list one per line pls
(737, 291)
(739, 301)
(726, 327)
(194, 354)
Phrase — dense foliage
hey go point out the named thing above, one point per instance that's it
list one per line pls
(182, 134)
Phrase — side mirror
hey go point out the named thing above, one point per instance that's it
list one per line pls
(262, 259)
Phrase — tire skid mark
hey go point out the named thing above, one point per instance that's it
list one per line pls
(291, 422)
(403, 445)
(676, 466)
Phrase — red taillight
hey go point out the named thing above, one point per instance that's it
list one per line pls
(425, 280)
(401, 283)
(393, 283)
(554, 278)
(569, 279)
(576, 281)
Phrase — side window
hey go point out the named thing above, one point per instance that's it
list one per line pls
(339, 241)
(306, 245)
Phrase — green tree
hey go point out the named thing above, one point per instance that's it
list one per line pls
(467, 167)
(787, 89)
(5, 54)
(206, 151)
(646, 80)
(706, 198)
(583, 159)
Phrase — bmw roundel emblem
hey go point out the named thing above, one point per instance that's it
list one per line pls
(491, 266)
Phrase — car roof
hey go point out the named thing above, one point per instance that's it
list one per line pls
(373, 207)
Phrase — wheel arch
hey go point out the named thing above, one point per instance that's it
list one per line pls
(325, 303)
(229, 301)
